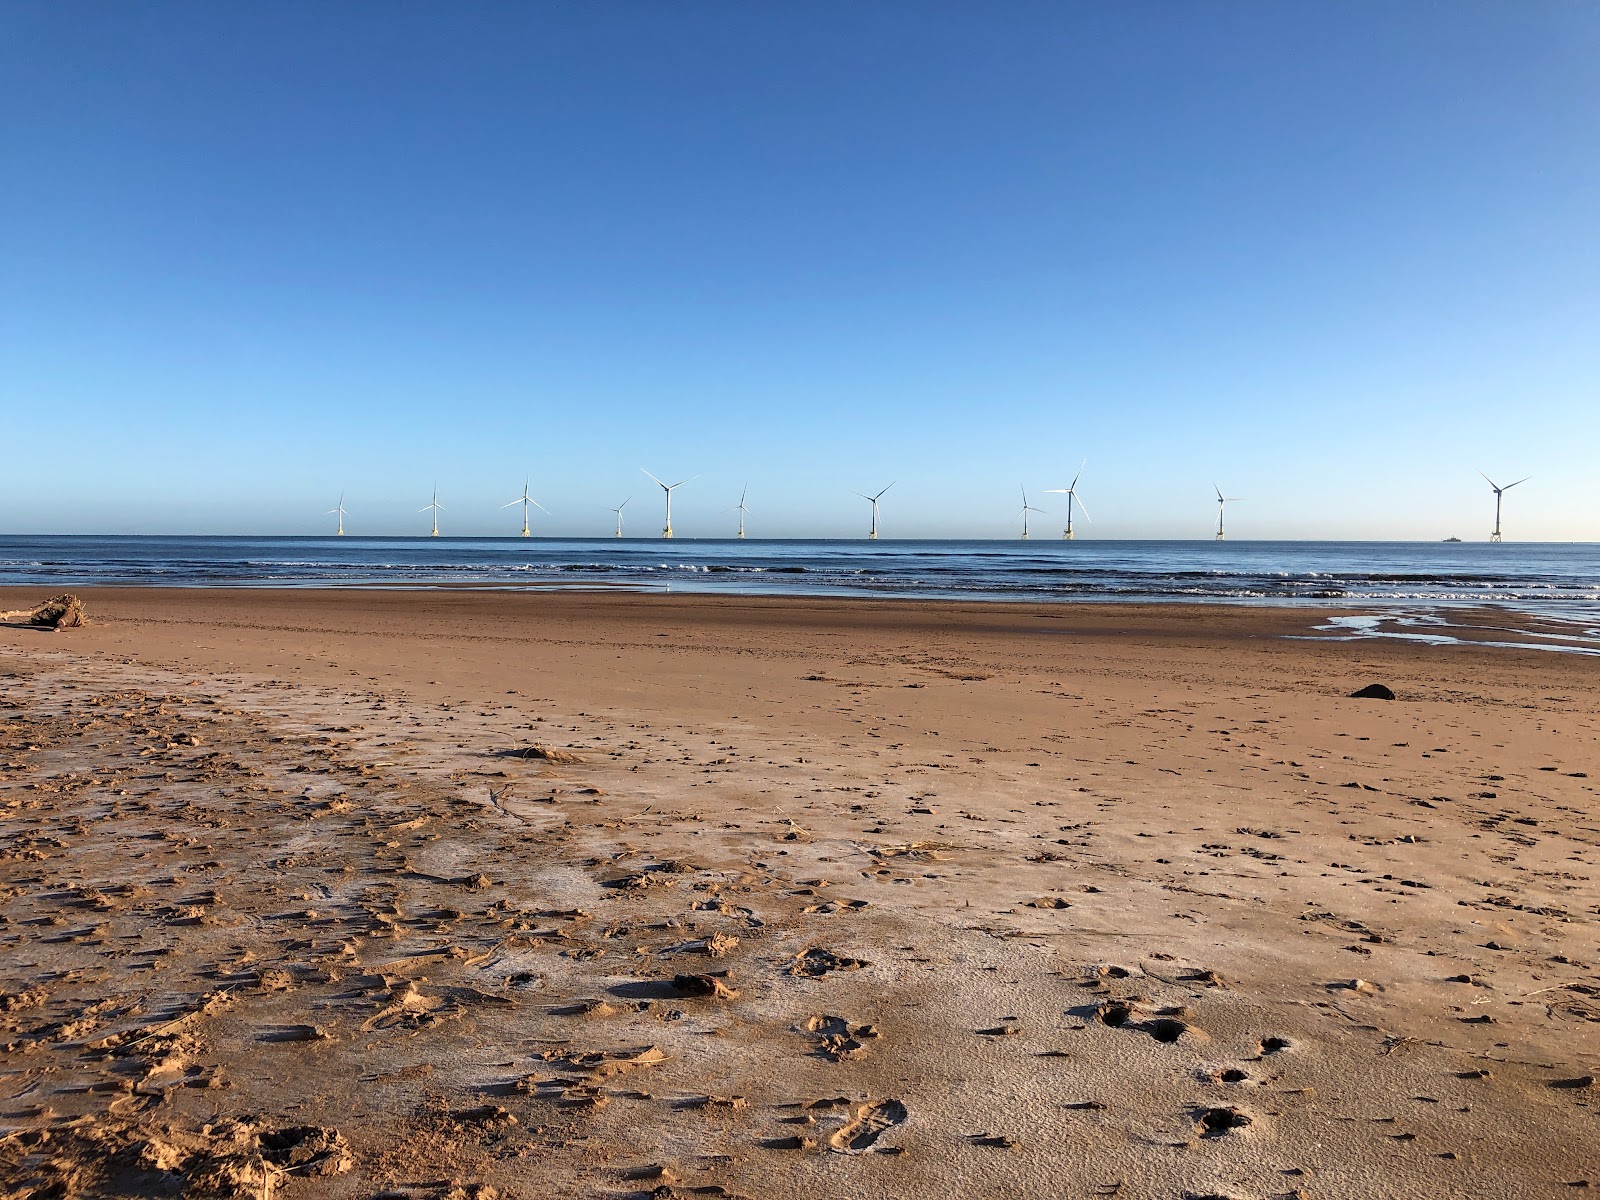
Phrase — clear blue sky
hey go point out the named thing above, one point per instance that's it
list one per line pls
(1335, 256)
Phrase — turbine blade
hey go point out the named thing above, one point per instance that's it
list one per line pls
(1492, 483)
(1509, 486)
(518, 500)
(540, 507)
(653, 477)
(879, 496)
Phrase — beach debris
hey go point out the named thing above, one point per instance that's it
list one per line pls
(998, 1140)
(547, 753)
(1373, 691)
(58, 612)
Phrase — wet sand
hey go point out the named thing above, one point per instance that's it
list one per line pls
(813, 898)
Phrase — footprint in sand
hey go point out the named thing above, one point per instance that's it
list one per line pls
(1170, 1029)
(816, 962)
(837, 1038)
(870, 1123)
(1218, 1122)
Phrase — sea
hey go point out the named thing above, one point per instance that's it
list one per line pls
(1411, 585)
(1534, 574)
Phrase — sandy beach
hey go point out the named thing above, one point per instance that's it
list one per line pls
(473, 894)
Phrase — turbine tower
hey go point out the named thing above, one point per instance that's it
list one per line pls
(740, 509)
(1071, 493)
(340, 511)
(1222, 502)
(618, 510)
(873, 500)
(1026, 509)
(436, 507)
(526, 500)
(666, 531)
(1498, 493)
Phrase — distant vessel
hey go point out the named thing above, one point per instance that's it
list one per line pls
(1452, 539)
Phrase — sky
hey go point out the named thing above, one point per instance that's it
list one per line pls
(1334, 258)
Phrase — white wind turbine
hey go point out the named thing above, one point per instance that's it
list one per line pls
(1498, 493)
(668, 488)
(1071, 493)
(740, 508)
(526, 500)
(1222, 503)
(618, 510)
(1026, 509)
(437, 509)
(340, 510)
(873, 500)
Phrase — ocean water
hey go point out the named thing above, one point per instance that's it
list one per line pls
(1552, 579)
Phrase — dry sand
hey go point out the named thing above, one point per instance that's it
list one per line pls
(837, 899)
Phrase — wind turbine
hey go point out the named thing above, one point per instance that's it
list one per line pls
(1026, 509)
(1498, 493)
(1071, 493)
(340, 511)
(740, 508)
(526, 500)
(873, 500)
(666, 532)
(1222, 502)
(437, 508)
(618, 510)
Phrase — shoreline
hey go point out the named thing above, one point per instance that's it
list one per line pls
(1471, 625)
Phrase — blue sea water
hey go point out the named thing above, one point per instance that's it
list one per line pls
(1550, 579)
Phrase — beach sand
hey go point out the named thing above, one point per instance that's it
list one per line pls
(812, 898)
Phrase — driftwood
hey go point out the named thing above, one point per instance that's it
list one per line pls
(59, 612)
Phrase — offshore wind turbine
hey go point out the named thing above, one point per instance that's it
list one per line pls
(1498, 493)
(340, 511)
(618, 510)
(666, 531)
(526, 500)
(1222, 502)
(740, 509)
(437, 508)
(1071, 493)
(873, 500)
(1026, 509)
